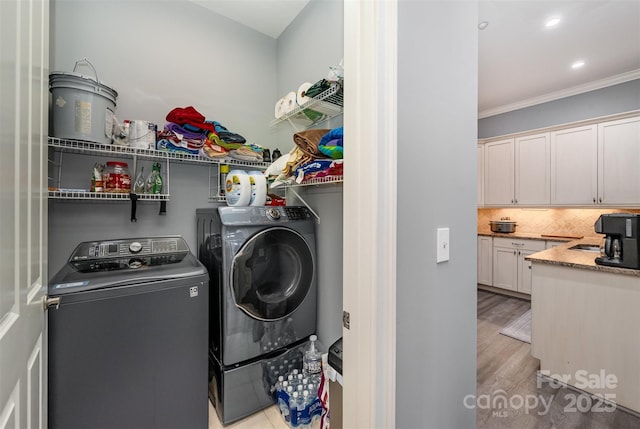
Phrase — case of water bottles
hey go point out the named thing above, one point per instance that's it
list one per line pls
(298, 403)
(296, 393)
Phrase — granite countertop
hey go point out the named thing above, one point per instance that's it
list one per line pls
(561, 255)
(530, 236)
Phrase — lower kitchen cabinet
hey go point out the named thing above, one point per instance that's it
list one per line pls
(510, 270)
(485, 260)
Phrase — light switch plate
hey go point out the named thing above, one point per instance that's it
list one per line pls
(442, 254)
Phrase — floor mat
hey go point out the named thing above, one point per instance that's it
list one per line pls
(520, 329)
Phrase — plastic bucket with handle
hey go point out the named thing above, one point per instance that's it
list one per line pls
(82, 107)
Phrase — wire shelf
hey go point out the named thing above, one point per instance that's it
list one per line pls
(330, 103)
(87, 147)
(319, 181)
(103, 196)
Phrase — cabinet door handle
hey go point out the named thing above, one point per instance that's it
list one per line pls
(514, 252)
(515, 201)
(600, 199)
(517, 244)
(518, 252)
(594, 201)
(511, 201)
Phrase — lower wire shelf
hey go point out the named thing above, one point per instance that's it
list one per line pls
(103, 196)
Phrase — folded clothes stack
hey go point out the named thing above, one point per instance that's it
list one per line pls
(317, 153)
(188, 131)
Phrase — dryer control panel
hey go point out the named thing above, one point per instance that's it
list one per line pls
(263, 215)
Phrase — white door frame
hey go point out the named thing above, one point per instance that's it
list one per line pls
(369, 229)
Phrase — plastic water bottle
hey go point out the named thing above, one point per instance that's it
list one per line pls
(312, 360)
(279, 383)
(293, 405)
(303, 402)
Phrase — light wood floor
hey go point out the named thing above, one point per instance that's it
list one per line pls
(504, 365)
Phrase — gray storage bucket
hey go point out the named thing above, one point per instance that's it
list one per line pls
(82, 107)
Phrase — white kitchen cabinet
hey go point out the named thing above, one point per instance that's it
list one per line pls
(574, 166)
(510, 270)
(517, 171)
(480, 154)
(485, 260)
(499, 173)
(619, 162)
(532, 170)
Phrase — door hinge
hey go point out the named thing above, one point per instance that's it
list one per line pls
(48, 302)
(346, 319)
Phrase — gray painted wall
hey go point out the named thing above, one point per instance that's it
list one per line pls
(436, 303)
(619, 98)
(158, 56)
(306, 49)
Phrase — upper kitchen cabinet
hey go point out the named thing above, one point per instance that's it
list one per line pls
(598, 164)
(499, 173)
(619, 162)
(517, 172)
(533, 171)
(574, 166)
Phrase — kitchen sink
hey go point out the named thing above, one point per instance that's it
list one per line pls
(586, 248)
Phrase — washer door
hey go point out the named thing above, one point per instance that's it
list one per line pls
(272, 273)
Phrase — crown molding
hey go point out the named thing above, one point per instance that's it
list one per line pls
(568, 92)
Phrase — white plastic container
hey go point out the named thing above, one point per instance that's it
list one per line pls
(258, 188)
(238, 188)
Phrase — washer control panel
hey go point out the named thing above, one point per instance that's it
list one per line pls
(129, 247)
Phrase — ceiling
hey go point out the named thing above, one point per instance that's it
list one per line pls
(520, 61)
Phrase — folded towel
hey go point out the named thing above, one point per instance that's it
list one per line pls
(336, 133)
(226, 135)
(308, 141)
(333, 149)
(213, 151)
(170, 146)
(184, 132)
(189, 115)
(310, 168)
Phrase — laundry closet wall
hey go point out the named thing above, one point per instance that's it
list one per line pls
(158, 55)
(312, 43)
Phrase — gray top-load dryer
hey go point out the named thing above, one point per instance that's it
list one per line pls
(128, 340)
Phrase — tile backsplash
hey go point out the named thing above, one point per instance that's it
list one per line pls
(549, 221)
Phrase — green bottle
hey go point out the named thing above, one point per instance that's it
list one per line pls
(154, 181)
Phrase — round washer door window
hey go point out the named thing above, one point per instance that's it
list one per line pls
(272, 273)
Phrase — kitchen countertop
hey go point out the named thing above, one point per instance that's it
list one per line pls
(561, 255)
(530, 236)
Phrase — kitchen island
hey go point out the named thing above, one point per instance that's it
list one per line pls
(586, 322)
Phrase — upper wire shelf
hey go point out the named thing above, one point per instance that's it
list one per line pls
(86, 147)
(329, 103)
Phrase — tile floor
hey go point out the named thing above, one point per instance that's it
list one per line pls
(268, 418)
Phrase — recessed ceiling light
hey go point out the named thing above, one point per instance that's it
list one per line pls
(577, 64)
(483, 25)
(552, 22)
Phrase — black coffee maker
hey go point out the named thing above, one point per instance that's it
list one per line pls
(621, 246)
